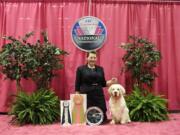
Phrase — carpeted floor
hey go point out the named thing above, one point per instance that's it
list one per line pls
(171, 127)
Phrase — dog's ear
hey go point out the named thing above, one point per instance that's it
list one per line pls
(109, 89)
(122, 89)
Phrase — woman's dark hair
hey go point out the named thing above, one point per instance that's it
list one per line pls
(93, 52)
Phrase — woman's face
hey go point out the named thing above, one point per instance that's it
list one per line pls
(91, 59)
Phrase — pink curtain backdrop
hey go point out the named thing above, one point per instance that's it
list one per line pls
(157, 21)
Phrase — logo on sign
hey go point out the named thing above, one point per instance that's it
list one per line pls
(89, 33)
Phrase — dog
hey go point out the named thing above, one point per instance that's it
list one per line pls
(117, 104)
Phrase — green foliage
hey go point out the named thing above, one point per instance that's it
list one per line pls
(140, 59)
(42, 107)
(144, 106)
(12, 56)
(20, 59)
(46, 59)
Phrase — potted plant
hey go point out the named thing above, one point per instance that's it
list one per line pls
(140, 59)
(20, 59)
(48, 58)
(12, 58)
(41, 107)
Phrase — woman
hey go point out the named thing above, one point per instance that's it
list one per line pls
(90, 80)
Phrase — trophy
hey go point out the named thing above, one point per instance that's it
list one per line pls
(65, 113)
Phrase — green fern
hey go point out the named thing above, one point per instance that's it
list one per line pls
(144, 106)
(42, 107)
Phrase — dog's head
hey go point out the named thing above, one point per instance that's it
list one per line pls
(116, 90)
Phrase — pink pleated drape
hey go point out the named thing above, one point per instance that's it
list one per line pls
(159, 22)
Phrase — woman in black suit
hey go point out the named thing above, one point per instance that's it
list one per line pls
(90, 80)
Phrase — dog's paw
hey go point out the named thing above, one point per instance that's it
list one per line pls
(112, 122)
(123, 122)
(129, 121)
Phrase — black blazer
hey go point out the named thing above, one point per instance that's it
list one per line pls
(88, 79)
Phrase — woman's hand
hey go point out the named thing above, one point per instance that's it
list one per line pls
(77, 92)
(112, 81)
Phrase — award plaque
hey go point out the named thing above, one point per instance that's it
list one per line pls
(94, 116)
(78, 108)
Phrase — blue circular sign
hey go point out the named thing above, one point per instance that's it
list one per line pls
(89, 33)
